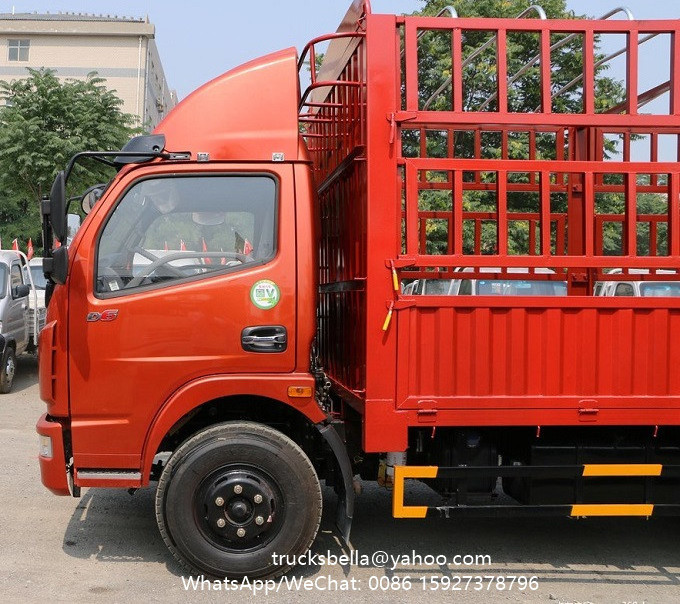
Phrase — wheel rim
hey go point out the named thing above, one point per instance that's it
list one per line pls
(9, 369)
(239, 508)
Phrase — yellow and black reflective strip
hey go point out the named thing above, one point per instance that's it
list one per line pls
(622, 469)
(612, 509)
(399, 510)
(617, 470)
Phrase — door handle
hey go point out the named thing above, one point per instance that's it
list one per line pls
(264, 338)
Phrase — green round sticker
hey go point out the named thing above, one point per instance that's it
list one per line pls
(265, 294)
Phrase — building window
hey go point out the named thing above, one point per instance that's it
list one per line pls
(18, 50)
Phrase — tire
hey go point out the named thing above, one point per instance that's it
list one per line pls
(7, 371)
(214, 478)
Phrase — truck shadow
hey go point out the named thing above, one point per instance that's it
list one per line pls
(112, 526)
(555, 549)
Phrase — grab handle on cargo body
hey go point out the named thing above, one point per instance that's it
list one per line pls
(388, 318)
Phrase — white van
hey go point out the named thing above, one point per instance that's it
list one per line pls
(640, 288)
(494, 286)
(18, 326)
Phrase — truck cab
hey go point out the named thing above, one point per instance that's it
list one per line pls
(184, 308)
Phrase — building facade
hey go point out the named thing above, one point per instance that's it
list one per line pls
(121, 50)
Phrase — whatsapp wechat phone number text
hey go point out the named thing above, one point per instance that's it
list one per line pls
(454, 583)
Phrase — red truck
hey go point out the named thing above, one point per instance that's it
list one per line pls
(230, 319)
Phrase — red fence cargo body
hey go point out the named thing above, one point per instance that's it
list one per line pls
(482, 360)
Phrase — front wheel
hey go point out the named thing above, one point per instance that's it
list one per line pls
(238, 499)
(7, 371)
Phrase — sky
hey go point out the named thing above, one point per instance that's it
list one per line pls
(201, 39)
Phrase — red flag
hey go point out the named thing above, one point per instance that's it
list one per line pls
(57, 244)
(247, 247)
(166, 246)
(15, 245)
(224, 260)
(29, 250)
(205, 249)
(182, 247)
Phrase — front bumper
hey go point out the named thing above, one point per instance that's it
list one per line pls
(52, 456)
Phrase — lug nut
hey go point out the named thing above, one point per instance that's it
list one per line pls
(257, 498)
(241, 532)
(221, 522)
(238, 489)
(219, 502)
(259, 521)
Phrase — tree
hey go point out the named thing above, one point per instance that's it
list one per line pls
(43, 124)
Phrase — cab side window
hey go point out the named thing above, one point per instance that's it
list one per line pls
(3, 281)
(170, 229)
(16, 280)
(465, 288)
(624, 289)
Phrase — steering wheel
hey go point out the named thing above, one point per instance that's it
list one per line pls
(177, 272)
(163, 261)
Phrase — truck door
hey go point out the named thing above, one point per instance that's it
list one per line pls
(186, 276)
(17, 311)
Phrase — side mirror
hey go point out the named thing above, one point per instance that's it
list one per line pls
(58, 206)
(21, 291)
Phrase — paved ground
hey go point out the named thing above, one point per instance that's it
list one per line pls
(106, 547)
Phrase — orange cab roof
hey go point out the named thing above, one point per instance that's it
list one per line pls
(248, 113)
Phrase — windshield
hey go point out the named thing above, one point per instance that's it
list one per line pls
(38, 276)
(438, 287)
(661, 289)
(3, 280)
(498, 287)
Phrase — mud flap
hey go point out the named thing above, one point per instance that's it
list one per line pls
(345, 511)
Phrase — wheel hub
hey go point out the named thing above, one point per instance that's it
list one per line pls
(9, 369)
(239, 507)
(239, 510)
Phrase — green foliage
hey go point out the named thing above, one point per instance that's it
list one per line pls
(43, 124)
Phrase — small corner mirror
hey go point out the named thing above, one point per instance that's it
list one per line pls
(91, 197)
(58, 206)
